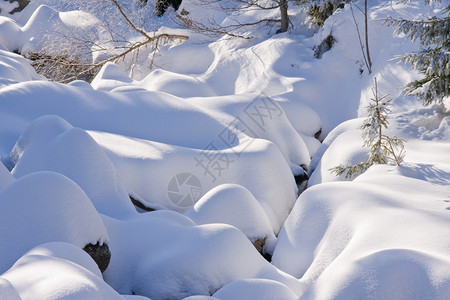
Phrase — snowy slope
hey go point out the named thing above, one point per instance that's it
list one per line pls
(212, 141)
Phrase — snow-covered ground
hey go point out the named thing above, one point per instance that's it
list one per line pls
(207, 147)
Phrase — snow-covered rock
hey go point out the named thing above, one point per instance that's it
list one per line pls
(52, 144)
(233, 205)
(58, 271)
(163, 255)
(44, 207)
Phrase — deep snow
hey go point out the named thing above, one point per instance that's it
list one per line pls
(212, 142)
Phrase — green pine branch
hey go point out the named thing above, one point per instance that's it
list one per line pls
(433, 60)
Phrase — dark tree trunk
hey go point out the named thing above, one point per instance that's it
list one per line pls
(366, 29)
(22, 5)
(284, 16)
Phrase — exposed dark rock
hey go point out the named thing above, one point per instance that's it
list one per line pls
(100, 254)
(324, 46)
(163, 5)
(22, 5)
(302, 180)
(267, 256)
(140, 205)
(259, 244)
(318, 133)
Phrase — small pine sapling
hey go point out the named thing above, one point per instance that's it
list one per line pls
(384, 149)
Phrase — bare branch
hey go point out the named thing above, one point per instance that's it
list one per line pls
(123, 54)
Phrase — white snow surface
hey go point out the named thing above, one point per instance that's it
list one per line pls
(367, 238)
(181, 259)
(234, 205)
(7, 290)
(263, 289)
(211, 137)
(43, 274)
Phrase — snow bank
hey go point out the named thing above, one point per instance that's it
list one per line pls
(142, 114)
(423, 129)
(44, 207)
(360, 239)
(44, 274)
(180, 259)
(260, 116)
(347, 148)
(233, 205)
(51, 144)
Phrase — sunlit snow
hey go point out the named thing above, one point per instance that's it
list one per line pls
(189, 164)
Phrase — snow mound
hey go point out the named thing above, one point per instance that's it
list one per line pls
(52, 144)
(42, 275)
(67, 251)
(389, 274)
(347, 148)
(9, 28)
(339, 237)
(7, 291)
(260, 116)
(168, 168)
(179, 259)
(233, 205)
(110, 77)
(262, 289)
(14, 69)
(44, 207)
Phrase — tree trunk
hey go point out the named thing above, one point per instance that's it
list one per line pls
(369, 61)
(284, 16)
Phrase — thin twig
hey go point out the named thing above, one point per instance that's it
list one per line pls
(359, 38)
